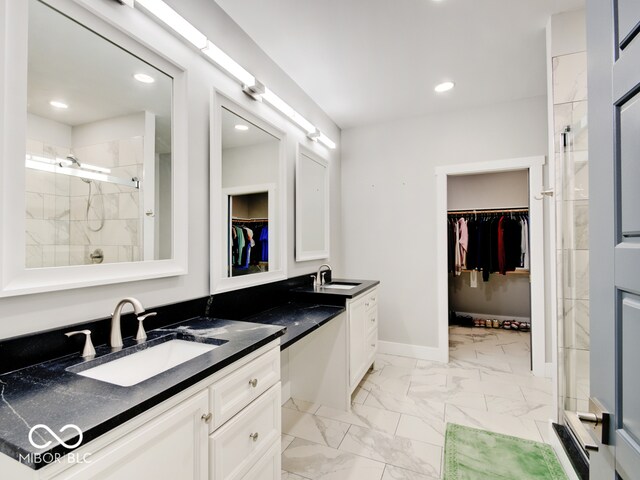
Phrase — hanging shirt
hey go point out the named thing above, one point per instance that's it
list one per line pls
(463, 242)
(264, 242)
(241, 244)
(456, 235)
(525, 243)
(502, 257)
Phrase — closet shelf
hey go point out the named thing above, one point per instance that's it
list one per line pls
(520, 272)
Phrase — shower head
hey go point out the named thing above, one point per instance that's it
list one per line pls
(74, 161)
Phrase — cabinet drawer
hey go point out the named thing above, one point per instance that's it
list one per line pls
(371, 347)
(371, 321)
(371, 299)
(236, 446)
(268, 467)
(235, 391)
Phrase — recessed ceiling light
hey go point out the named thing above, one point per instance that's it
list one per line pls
(242, 128)
(144, 78)
(444, 87)
(58, 104)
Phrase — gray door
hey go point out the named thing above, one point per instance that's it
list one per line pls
(613, 28)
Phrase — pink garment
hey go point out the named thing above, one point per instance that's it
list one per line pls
(463, 242)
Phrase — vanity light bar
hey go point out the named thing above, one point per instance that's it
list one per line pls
(181, 26)
(174, 20)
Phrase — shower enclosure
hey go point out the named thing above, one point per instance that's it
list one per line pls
(572, 216)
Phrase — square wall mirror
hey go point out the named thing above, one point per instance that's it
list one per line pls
(95, 150)
(98, 149)
(312, 206)
(249, 159)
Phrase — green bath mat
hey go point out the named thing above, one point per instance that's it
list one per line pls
(472, 454)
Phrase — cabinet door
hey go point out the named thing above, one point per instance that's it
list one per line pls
(357, 353)
(174, 445)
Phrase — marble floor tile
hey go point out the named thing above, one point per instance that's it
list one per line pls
(385, 383)
(537, 394)
(397, 473)
(519, 408)
(359, 395)
(447, 394)
(313, 428)
(301, 405)
(517, 349)
(451, 369)
(364, 416)
(424, 430)
(401, 452)
(291, 476)
(285, 441)
(318, 462)
(414, 375)
(517, 379)
(415, 406)
(487, 387)
(495, 422)
(395, 360)
(545, 430)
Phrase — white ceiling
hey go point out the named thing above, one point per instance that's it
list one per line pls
(367, 61)
(93, 76)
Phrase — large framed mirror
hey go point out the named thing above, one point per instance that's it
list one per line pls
(312, 206)
(247, 190)
(98, 183)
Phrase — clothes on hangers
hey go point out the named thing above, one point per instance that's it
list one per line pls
(249, 243)
(488, 242)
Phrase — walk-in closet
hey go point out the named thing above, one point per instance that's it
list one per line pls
(488, 267)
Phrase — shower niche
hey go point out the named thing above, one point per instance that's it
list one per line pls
(98, 149)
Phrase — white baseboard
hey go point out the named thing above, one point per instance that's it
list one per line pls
(414, 351)
(496, 317)
(561, 454)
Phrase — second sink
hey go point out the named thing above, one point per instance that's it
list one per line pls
(131, 369)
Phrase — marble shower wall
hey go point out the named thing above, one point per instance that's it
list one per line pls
(70, 234)
(572, 203)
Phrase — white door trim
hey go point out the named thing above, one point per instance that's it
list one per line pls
(534, 166)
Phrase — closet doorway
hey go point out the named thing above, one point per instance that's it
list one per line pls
(504, 289)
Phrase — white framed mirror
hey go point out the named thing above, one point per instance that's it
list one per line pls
(312, 206)
(99, 192)
(248, 245)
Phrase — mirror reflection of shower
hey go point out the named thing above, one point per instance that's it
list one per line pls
(76, 163)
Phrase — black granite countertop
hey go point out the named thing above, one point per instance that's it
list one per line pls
(309, 293)
(49, 393)
(299, 318)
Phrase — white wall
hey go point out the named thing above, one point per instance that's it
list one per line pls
(488, 190)
(389, 197)
(23, 314)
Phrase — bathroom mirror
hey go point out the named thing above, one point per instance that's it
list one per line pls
(312, 206)
(98, 149)
(98, 197)
(247, 172)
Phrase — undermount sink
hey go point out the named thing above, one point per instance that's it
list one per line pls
(144, 364)
(340, 285)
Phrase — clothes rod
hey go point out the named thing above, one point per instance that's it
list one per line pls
(495, 210)
(235, 219)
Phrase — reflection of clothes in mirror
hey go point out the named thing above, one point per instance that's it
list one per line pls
(264, 241)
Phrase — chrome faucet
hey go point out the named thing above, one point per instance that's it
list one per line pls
(116, 333)
(320, 274)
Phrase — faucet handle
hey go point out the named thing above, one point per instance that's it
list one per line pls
(142, 335)
(88, 351)
(315, 280)
(322, 280)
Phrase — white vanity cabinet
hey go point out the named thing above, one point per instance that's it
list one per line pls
(363, 335)
(226, 427)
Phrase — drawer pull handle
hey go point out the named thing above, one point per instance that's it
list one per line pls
(366, 304)
(254, 436)
(373, 320)
(373, 344)
(253, 382)
(206, 417)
